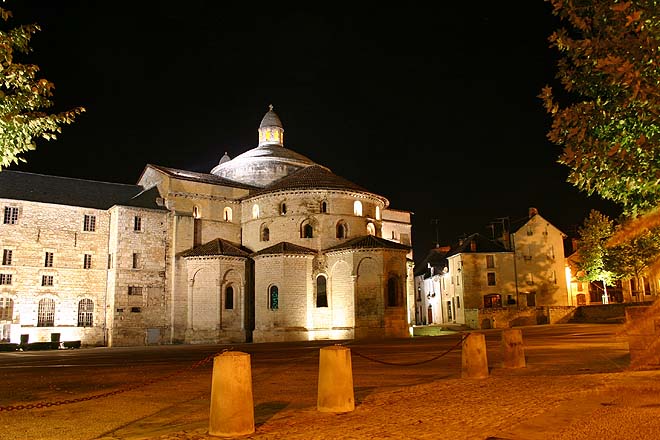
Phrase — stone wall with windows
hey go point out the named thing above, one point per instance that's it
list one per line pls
(68, 236)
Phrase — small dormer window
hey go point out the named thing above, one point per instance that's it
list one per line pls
(357, 208)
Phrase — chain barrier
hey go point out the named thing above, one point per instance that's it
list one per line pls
(197, 364)
(408, 364)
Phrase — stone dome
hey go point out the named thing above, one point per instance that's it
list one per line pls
(268, 162)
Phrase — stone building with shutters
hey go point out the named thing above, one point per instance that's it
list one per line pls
(268, 246)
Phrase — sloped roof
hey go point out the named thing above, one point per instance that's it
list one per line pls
(312, 177)
(516, 225)
(18, 185)
(217, 247)
(200, 177)
(481, 245)
(284, 247)
(368, 242)
(437, 257)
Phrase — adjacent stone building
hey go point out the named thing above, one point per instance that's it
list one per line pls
(268, 246)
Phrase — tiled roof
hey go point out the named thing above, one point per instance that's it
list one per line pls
(481, 245)
(312, 177)
(437, 258)
(217, 247)
(18, 185)
(200, 177)
(284, 247)
(368, 242)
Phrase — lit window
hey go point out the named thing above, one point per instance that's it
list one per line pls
(85, 313)
(6, 309)
(229, 298)
(227, 214)
(377, 212)
(492, 301)
(47, 280)
(89, 223)
(273, 298)
(371, 229)
(357, 208)
(255, 211)
(11, 215)
(137, 223)
(7, 257)
(46, 313)
(321, 292)
(48, 259)
(5, 278)
(87, 261)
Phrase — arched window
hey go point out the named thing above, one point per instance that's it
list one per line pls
(197, 213)
(357, 208)
(371, 229)
(392, 297)
(324, 206)
(308, 231)
(255, 211)
(197, 226)
(282, 208)
(229, 298)
(321, 292)
(6, 309)
(377, 212)
(227, 214)
(265, 233)
(46, 313)
(341, 229)
(85, 313)
(273, 298)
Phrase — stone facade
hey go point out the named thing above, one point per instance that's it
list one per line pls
(267, 247)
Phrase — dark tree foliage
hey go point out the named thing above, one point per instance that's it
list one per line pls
(610, 68)
(24, 97)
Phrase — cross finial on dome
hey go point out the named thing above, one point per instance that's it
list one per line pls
(270, 107)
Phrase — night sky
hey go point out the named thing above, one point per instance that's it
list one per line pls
(432, 104)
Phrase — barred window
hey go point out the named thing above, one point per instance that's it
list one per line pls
(5, 278)
(6, 257)
(85, 313)
(48, 259)
(134, 290)
(46, 313)
(87, 261)
(11, 215)
(47, 280)
(89, 224)
(6, 309)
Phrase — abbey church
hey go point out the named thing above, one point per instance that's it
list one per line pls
(267, 246)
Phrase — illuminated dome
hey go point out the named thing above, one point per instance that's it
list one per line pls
(269, 162)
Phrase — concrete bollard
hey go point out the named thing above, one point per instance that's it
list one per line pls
(232, 407)
(513, 351)
(473, 355)
(335, 390)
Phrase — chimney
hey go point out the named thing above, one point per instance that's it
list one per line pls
(533, 212)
